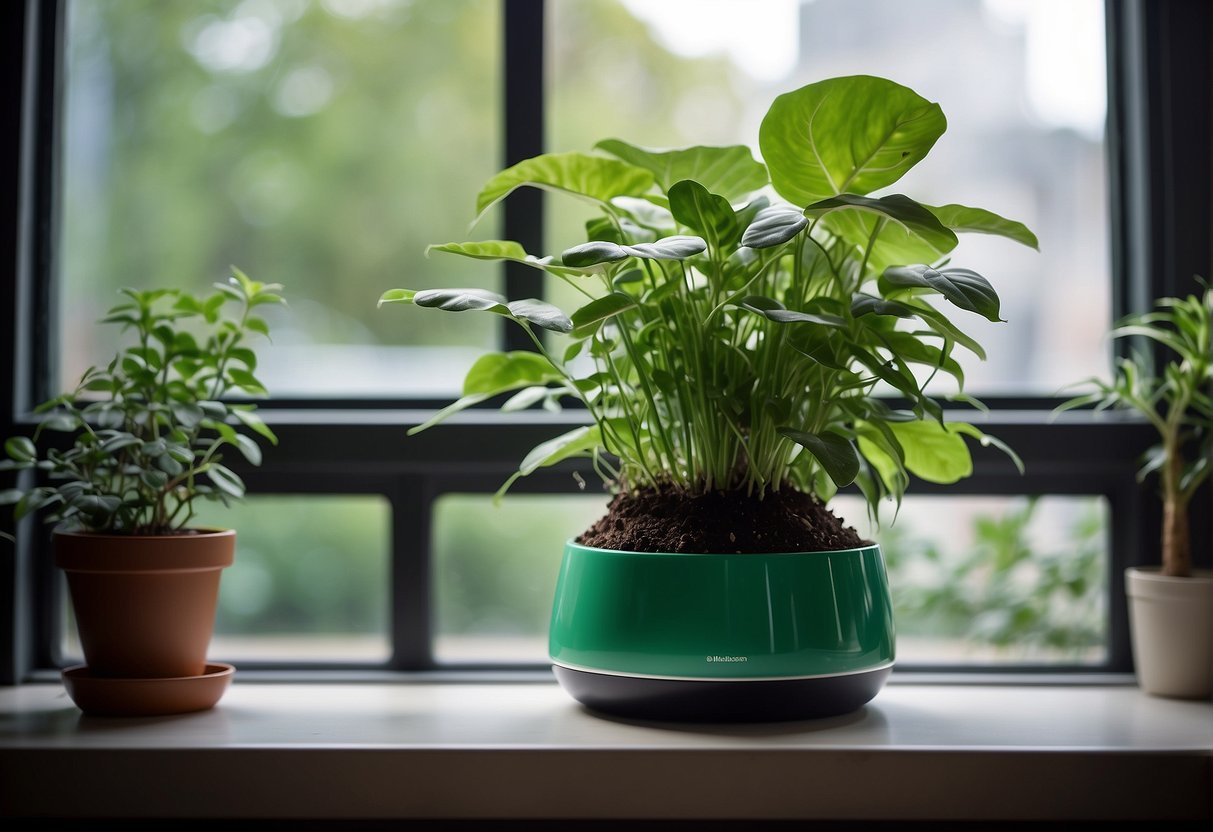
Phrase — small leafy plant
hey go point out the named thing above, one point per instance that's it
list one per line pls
(1175, 402)
(151, 426)
(745, 325)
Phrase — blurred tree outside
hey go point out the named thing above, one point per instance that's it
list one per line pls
(321, 145)
(1007, 593)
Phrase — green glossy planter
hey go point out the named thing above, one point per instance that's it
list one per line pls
(722, 637)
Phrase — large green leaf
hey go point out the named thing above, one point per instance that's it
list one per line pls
(963, 287)
(729, 171)
(934, 452)
(595, 178)
(898, 208)
(704, 212)
(834, 451)
(850, 134)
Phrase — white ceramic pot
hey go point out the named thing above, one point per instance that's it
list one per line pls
(1171, 624)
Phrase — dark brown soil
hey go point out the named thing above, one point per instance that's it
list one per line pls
(719, 522)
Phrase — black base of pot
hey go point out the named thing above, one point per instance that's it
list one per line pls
(692, 700)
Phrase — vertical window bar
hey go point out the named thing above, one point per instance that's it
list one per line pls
(524, 114)
(51, 57)
(34, 38)
(411, 607)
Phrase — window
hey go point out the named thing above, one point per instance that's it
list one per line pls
(325, 143)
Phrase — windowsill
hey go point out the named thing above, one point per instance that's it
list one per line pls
(523, 749)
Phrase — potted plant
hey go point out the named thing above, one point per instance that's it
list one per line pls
(1170, 604)
(148, 434)
(742, 326)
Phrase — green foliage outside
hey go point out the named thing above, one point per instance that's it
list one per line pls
(1026, 599)
(306, 565)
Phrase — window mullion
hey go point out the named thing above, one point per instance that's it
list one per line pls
(524, 131)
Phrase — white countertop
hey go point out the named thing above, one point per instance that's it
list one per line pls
(452, 750)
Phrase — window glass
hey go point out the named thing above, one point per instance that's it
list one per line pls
(991, 580)
(495, 571)
(975, 580)
(1022, 83)
(310, 580)
(320, 144)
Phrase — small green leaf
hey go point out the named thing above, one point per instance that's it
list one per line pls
(896, 207)
(704, 212)
(539, 313)
(225, 479)
(258, 325)
(493, 250)
(246, 381)
(187, 413)
(397, 296)
(986, 440)
(677, 247)
(576, 442)
(865, 304)
(962, 218)
(460, 300)
(774, 310)
(21, 448)
(965, 288)
(834, 451)
(495, 373)
(588, 318)
(254, 422)
(593, 253)
(249, 449)
(524, 398)
(773, 226)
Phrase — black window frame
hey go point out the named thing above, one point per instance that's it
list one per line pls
(1160, 169)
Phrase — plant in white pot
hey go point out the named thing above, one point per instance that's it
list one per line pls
(740, 327)
(1171, 604)
(147, 434)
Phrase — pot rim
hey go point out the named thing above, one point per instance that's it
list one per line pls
(1152, 573)
(572, 544)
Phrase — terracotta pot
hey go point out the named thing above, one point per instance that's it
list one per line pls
(144, 604)
(1171, 623)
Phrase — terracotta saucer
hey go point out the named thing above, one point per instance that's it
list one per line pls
(98, 696)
